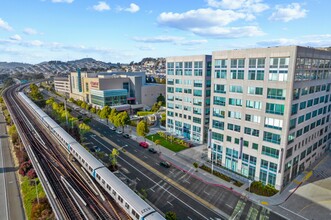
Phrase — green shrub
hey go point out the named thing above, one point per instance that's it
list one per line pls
(141, 113)
(259, 188)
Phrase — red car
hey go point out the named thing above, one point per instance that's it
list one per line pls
(143, 144)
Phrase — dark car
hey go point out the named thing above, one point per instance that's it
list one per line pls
(126, 135)
(165, 164)
(152, 150)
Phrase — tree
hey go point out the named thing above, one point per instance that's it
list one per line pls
(142, 129)
(122, 119)
(93, 110)
(170, 216)
(196, 165)
(50, 101)
(112, 115)
(160, 98)
(113, 158)
(34, 92)
(14, 135)
(83, 105)
(104, 112)
(83, 128)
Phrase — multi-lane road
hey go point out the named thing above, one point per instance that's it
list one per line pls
(10, 199)
(171, 189)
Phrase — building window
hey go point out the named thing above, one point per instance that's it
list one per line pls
(273, 123)
(253, 118)
(236, 115)
(236, 102)
(218, 125)
(219, 88)
(217, 136)
(271, 137)
(270, 152)
(237, 74)
(236, 89)
(219, 101)
(276, 94)
(256, 75)
(255, 90)
(276, 109)
(218, 113)
(253, 104)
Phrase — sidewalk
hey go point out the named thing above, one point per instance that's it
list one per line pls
(184, 161)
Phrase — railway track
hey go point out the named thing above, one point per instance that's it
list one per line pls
(57, 166)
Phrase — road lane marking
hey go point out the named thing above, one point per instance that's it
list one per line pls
(206, 193)
(229, 206)
(170, 203)
(293, 212)
(174, 184)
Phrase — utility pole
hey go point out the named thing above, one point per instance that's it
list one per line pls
(65, 109)
(35, 183)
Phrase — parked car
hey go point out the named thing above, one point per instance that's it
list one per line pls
(152, 150)
(112, 128)
(143, 144)
(119, 132)
(126, 135)
(165, 164)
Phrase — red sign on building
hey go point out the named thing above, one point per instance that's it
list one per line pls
(94, 84)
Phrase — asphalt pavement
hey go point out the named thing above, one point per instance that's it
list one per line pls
(10, 198)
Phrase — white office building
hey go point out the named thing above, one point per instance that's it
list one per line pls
(270, 111)
(188, 96)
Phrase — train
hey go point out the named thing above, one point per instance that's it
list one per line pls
(130, 202)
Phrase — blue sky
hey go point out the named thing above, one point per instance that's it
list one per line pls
(33, 31)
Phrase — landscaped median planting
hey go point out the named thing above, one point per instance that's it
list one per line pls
(167, 143)
(222, 176)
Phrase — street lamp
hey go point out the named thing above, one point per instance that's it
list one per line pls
(250, 182)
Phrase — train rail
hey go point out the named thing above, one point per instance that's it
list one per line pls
(56, 165)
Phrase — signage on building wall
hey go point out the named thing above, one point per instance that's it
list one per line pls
(94, 84)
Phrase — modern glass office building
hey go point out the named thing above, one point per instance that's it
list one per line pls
(270, 111)
(112, 97)
(188, 96)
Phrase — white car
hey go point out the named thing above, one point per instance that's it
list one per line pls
(119, 132)
(112, 128)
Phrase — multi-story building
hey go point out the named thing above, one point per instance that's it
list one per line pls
(61, 85)
(188, 96)
(126, 89)
(270, 111)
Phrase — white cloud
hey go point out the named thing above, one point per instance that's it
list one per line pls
(308, 40)
(254, 6)
(133, 8)
(229, 32)
(30, 31)
(4, 25)
(210, 22)
(157, 39)
(192, 42)
(146, 48)
(199, 18)
(36, 43)
(101, 6)
(63, 1)
(16, 37)
(287, 13)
